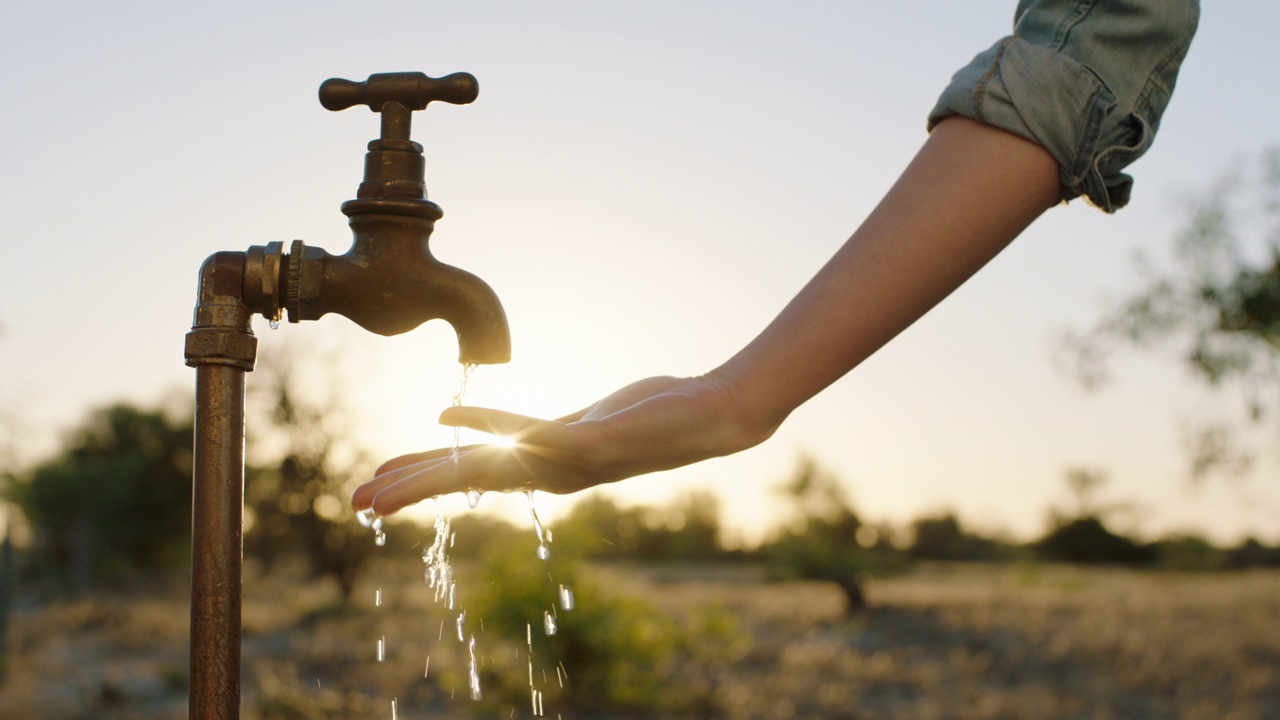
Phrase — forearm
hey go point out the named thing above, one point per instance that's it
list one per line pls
(970, 191)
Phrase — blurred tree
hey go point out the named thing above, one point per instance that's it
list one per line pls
(116, 497)
(1219, 305)
(1187, 552)
(598, 528)
(941, 537)
(822, 540)
(1087, 540)
(686, 529)
(305, 465)
(1080, 535)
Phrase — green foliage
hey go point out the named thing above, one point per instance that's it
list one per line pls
(116, 497)
(1187, 552)
(687, 529)
(1252, 554)
(297, 491)
(615, 654)
(942, 538)
(823, 540)
(1087, 540)
(1218, 305)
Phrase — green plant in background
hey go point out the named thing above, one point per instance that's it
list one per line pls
(305, 465)
(687, 529)
(116, 498)
(609, 653)
(825, 539)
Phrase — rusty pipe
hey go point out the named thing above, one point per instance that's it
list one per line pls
(222, 348)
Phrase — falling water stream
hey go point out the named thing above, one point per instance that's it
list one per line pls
(440, 577)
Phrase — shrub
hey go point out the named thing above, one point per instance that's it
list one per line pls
(1087, 540)
(608, 653)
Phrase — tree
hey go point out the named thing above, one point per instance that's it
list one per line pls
(1081, 535)
(1218, 305)
(306, 464)
(116, 497)
(821, 542)
(942, 537)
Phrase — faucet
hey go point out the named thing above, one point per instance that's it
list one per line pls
(388, 282)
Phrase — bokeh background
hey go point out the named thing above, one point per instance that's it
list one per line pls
(645, 185)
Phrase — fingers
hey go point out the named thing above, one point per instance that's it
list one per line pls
(394, 471)
(523, 429)
(478, 467)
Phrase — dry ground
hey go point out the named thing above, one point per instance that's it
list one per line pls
(940, 642)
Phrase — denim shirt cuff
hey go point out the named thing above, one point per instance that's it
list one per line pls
(1040, 91)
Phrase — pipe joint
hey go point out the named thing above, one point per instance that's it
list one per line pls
(210, 346)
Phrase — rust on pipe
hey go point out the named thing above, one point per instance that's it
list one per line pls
(216, 552)
(222, 348)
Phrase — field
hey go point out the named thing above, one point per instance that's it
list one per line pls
(941, 641)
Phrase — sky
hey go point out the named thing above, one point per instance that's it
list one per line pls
(644, 185)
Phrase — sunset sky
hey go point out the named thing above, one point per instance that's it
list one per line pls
(644, 185)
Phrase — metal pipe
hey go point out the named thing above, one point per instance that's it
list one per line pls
(222, 348)
(216, 547)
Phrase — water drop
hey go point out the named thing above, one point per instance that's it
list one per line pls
(380, 539)
(462, 618)
(377, 597)
(473, 676)
(549, 623)
(382, 648)
(366, 517)
(566, 598)
(473, 498)
(393, 709)
(544, 552)
(275, 325)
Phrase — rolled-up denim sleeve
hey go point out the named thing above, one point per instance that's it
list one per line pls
(1086, 79)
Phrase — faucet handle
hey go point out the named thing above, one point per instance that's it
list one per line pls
(414, 90)
(397, 95)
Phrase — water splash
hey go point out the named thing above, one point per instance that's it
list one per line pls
(544, 537)
(536, 697)
(473, 675)
(439, 572)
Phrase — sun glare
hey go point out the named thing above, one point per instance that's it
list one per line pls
(502, 441)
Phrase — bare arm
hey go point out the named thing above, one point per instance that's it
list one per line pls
(969, 191)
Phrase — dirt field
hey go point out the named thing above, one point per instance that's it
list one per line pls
(940, 642)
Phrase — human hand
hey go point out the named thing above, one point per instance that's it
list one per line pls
(654, 424)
